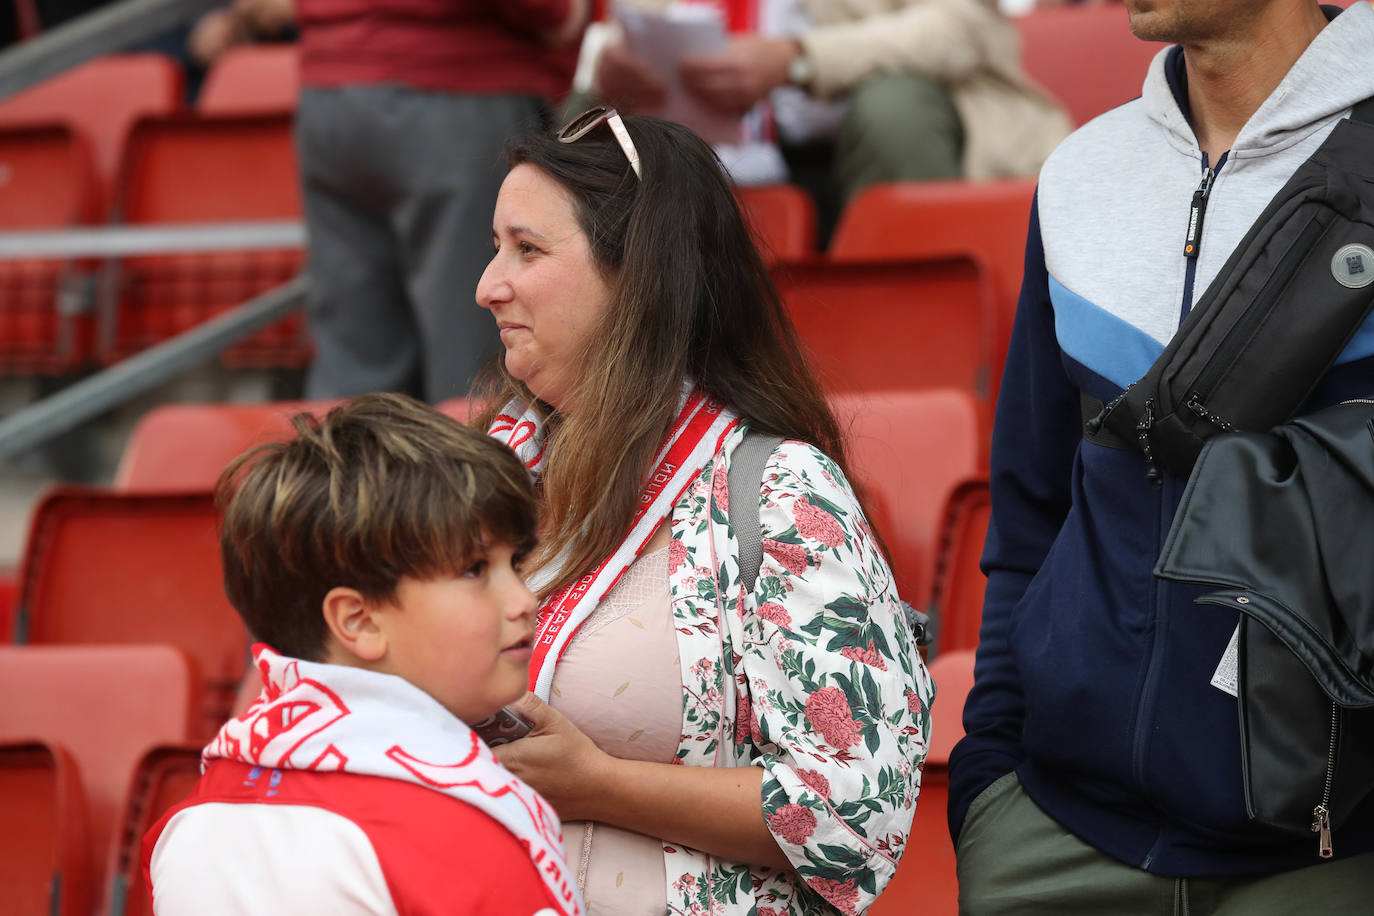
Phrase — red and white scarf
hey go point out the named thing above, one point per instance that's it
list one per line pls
(332, 718)
(695, 437)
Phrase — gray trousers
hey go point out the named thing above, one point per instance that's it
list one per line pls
(1015, 859)
(399, 188)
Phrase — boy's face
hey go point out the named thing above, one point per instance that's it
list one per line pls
(464, 640)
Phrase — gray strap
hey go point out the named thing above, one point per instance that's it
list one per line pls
(745, 477)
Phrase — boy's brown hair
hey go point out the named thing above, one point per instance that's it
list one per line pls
(382, 487)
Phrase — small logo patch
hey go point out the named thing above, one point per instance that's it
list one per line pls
(1353, 266)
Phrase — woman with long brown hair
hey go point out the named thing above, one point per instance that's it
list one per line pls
(711, 747)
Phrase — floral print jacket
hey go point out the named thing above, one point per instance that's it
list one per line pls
(813, 676)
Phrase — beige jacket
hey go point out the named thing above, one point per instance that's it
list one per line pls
(1010, 124)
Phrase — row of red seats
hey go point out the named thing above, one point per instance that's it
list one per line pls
(108, 140)
(138, 563)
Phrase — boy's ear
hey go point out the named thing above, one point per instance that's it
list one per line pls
(352, 622)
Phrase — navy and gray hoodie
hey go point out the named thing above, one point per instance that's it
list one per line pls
(1093, 677)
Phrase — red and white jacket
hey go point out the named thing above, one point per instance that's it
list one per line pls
(347, 791)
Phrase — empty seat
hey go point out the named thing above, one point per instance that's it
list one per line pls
(909, 450)
(181, 447)
(911, 324)
(784, 218)
(205, 170)
(957, 603)
(926, 881)
(252, 79)
(102, 99)
(44, 850)
(163, 778)
(47, 181)
(106, 705)
(115, 568)
(1085, 56)
(986, 220)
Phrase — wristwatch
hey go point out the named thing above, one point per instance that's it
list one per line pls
(799, 69)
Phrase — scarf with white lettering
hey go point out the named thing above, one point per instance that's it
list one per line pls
(695, 437)
(333, 718)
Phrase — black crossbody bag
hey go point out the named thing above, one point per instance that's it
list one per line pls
(1278, 313)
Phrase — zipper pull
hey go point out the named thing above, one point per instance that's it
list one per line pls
(1321, 824)
(1142, 435)
(1196, 211)
(1094, 425)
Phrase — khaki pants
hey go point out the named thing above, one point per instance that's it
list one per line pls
(1014, 859)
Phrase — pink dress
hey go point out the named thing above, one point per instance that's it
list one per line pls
(619, 682)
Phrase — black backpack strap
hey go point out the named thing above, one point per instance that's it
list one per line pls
(745, 477)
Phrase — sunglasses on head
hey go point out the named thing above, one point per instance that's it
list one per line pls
(593, 118)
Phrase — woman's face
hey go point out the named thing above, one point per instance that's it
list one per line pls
(542, 286)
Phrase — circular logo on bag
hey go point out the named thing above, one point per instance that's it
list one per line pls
(1353, 266)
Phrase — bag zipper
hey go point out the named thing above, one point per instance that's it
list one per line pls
(1142, 437)
(1321, 815)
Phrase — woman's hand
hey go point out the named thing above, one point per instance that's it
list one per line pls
(561, 762)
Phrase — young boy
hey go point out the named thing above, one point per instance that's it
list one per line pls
(375, 557)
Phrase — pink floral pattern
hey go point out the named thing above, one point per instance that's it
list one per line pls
(774, 613)
(817, 781)
(809, 677)
(843, 895)
(793, 823)
(827, 711)
(815, 523)
(868, 656)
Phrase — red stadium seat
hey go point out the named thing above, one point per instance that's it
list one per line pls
(926, 881)
(252, 79)
(983, 219)
(163, 778)
(106, 705)
(784, 218)
(957, 603)
(102, 98)
(47, 181)
(909, 450)
(7, 598)
(183, 447)
(114, 568)
(182, 170)
(44, 850)
(1085, 56)
(910, 324)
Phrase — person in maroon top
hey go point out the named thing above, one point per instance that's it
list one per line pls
(405, 106)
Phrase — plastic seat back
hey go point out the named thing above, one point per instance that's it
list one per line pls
(784, 219)
(957, 603)
(252, 79)
(181, 447)
(103, 567)
(44, 868)
(163, 778)
(102, 98)
(986, 220)
(909, 450)
(1085, 56)
(106, 705)
(206, 170)
(47, 181)
(920, 323)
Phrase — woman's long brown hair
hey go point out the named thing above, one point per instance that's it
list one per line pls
(691, 297)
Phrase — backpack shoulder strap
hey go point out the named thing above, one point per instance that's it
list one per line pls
(745, 477)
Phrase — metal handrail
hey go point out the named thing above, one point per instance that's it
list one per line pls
(152, 238)
(92, 396)
(115, 27)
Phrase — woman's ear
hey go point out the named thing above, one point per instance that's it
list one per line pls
(353, 624)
